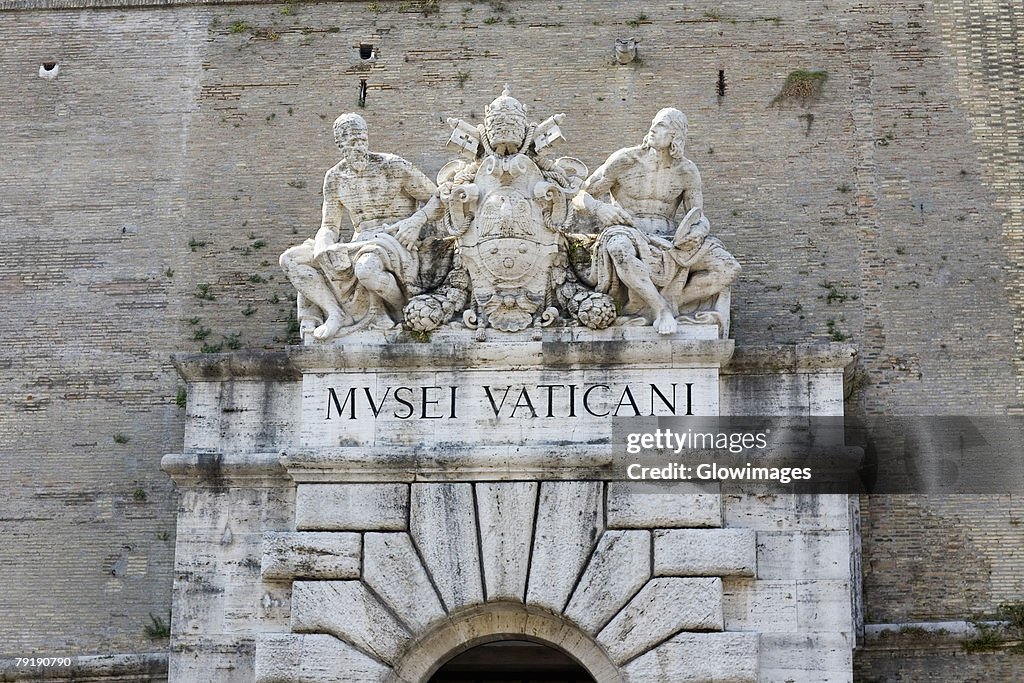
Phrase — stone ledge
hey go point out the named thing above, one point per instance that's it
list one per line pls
(220, 367)
(552, 352)
(641, 347)
(40, 5)
(220, 470)
(788, 358)
(509, 462)
(930, 635)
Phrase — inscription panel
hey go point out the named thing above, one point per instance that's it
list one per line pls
(485, 407)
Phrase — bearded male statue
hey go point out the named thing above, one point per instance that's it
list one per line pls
(344, 287)
(654, 255)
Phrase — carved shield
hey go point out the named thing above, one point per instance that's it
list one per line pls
(509, 250)
(510, 260)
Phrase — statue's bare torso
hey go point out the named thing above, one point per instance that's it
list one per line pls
(387, 190)
(641, 183)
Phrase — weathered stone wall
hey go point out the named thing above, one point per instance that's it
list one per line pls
(395, 556)
(150, 186)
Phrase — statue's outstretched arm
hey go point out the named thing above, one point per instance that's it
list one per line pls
(601, 183)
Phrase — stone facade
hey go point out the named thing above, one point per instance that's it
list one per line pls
(375, 560)
(186, 141)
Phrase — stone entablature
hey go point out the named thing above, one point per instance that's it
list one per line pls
(300, 556)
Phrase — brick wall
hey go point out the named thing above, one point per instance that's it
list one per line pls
(183, 146)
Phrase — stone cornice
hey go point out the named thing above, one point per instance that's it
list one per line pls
(221, 471)
(289, 365)
(220, 367)
(783, 358)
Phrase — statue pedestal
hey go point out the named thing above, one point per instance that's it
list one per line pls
(365, 510)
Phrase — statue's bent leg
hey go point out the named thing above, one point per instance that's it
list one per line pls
(635, 274)
(372, 275)
(297, 264)
(716, 271)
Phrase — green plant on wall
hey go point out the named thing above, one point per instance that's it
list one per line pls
(1008, 633)
(802, 86)
(157, 629)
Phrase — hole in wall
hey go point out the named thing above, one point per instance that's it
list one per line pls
(721, 82)
(49, 70)
(362, 92)
(365, 51)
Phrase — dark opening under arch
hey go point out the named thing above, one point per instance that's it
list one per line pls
(512, 661)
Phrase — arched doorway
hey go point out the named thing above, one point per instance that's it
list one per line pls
(513, 638)
(512, 661)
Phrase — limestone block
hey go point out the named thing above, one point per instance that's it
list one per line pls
(569, 519)
(764, 606)
(506, 528)
(347, 610)
(824, 605)
(220, 657)
(663, 608)
(704, 552)
(217, 588)
(649, 506)
(310, 555)
(815, 658)
(313, 658)
(443, 526)
(240, 416)
(718, 657)
(764, 394)
(392, 568)
(788, 512)
(619, 567)
(825, 393)
(352, 507)
(803, 555)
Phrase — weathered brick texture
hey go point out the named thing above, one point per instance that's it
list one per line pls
(149, 188)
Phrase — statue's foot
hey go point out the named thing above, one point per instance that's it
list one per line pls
(666, 323)
(334, 322)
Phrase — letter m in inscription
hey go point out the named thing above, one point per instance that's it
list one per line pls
(339, 406)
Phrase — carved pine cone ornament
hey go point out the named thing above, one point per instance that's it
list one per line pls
(425, 313)
(596, 310)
